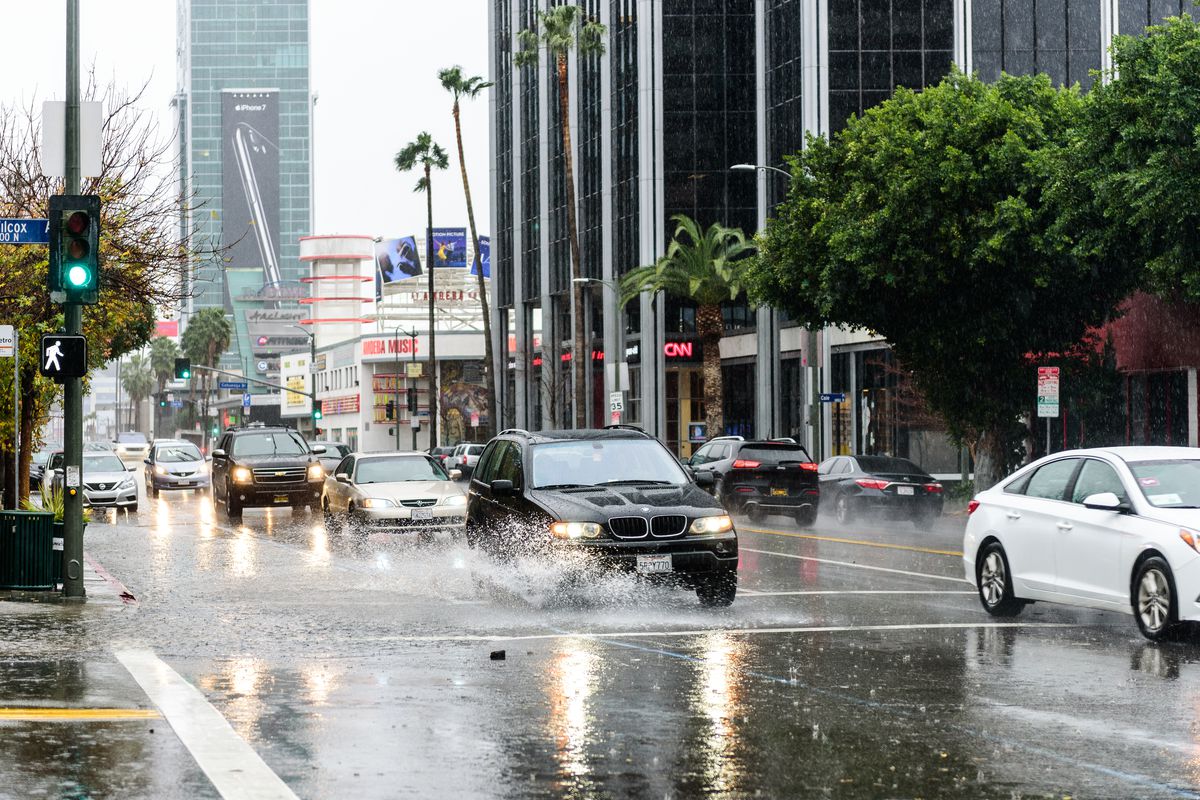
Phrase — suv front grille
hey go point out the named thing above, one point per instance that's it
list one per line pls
(267, 475)
(668, 525)
(424, 502)
(628, 527)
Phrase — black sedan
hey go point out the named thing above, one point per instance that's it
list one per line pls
(894, 488)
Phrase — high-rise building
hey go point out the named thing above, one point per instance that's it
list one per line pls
(244, 116)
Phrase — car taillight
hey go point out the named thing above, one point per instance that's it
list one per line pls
(742, 463)
(871, 483)
(808, 466)
(971, 506)
(933, 488)
(464, 459)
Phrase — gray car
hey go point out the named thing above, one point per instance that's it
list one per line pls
(175, 465)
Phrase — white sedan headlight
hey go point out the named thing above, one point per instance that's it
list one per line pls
(456, 500)
(717, 524)
(575, 530)
(377, 502)
(315, 472)
(160, 470)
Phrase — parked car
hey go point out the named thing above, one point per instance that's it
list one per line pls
(132, 447)
(1111, 528)
(895, 488)
(441, 454)
(37, 468)
(107, 482)
(258, 465)
(464, 457)
(334, 453)
(616, 496)
(759, 478)
(175, 465)
(99, 446)
(53, 462)
(405, 492)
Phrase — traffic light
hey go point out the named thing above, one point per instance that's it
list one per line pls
(317, 415)
(162, 402)
(183, 369)
(74, 229)
(391, 409)
(412, 401)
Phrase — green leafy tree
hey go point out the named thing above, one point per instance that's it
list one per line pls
(928, 221)
(427, 155)
(163, 352)
(462, 87)
(206, 337)
(137, 378)
(563, 29)
(707, 267)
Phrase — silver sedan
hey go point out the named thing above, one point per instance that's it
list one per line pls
(402, 492)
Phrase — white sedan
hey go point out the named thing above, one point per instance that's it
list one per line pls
(1111, 528)
(402, 492)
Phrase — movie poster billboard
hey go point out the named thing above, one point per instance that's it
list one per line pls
(396, 260)
(250, 181)
(485, 257)
(450, 247)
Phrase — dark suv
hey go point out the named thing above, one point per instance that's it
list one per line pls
(761, 478)
(265, 466)
(615, 494)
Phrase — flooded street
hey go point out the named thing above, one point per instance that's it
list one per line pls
(854, 663)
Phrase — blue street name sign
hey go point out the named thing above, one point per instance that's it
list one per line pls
(176, 404)
(24, 231)
(833, 397)
(232, 384)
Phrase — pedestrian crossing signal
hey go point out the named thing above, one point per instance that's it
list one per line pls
(183, 369)
(63, 356)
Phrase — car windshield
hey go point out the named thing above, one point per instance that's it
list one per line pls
(594, 462)
(102, 462)
(40, 458)
(396, 469)
(1171, 483)
(130, 438)
(886, 464)
(102, 447)
(269, 444)
(177, 453)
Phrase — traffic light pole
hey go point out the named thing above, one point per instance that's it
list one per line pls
(73, 313)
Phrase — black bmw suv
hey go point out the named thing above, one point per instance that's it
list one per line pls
(616, 494)
(261, 465)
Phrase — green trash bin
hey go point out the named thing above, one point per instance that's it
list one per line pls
(27, 556)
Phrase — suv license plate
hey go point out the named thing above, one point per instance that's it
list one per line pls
(779, 493)
(905, 490)
(648, 565)
(422, 513)
(281, 498)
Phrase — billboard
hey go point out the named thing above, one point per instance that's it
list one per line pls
(450, 247)
(250, 181)
(485, 257)
(396, 260)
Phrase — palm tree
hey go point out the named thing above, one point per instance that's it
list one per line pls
(163, 352)
(138, 380)
(707, 267)
(453, 81)
(206, 337)
(428, 156)
(564, 28)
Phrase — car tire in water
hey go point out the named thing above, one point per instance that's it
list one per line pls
(924, 519)
(1153, 596)
(717, 590)
(332, 523)
(806, 517)
(994, 581)
(132, 509)
(842, 510)
(233, 509)
(755, 512)
(151, 488)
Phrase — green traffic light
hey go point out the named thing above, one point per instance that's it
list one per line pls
(78, 275)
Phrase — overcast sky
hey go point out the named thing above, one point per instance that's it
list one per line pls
(374, 66)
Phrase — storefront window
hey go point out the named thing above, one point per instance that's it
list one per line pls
(739, 391)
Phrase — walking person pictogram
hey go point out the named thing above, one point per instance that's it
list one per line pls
(52, 354)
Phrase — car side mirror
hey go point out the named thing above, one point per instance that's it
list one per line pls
(342, 477)
(455, 474)
(146, 461)
(501, 487)
(1104, 501)
(218, 453)
(705, 480)
(318, 449)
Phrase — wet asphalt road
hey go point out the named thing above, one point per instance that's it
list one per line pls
(854, 663)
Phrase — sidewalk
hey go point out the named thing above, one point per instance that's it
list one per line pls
(100, 588)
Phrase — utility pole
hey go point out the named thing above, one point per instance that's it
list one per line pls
(396, 382)
(73, 312)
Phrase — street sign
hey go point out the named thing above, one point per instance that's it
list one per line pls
(246, 400)
(8, 342)
(474, 419)
(232, 385)
(176, 404)
(616, 401)
(833, 397)
(1047, 392)
(63, 356)
(413, 369)
(24, 231)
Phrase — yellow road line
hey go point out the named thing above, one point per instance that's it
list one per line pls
(76, 714)
(855, 541)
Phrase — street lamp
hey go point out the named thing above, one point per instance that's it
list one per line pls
(312, 364)
(761, 167)
(396, 380)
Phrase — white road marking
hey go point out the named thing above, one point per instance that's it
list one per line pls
(857, 566)
(236, 771)
(1097, 728)
(855, 591)
(709, 631)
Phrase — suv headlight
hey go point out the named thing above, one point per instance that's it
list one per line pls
(377, 502)
(456, 500)
(315, 472)
(575, 530)
(241, 474)
(717, 524)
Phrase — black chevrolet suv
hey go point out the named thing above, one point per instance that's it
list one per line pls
(260, 465)
(616, 494)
